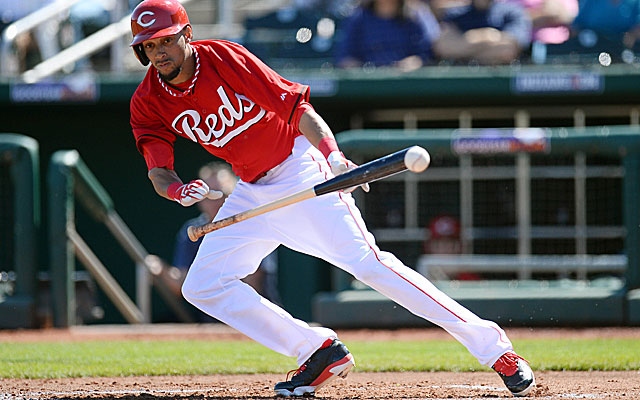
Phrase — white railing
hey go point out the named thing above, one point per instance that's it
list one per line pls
(79, 50)
(25, 25)
(86, 47)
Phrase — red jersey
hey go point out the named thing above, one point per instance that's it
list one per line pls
(239, 110)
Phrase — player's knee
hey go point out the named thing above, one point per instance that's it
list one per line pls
(375, 267)
(188, 290)
(195, 291)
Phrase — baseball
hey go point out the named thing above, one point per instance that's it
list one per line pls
(417, 159)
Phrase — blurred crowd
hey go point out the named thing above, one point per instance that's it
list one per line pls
(403, 34)
(82, 19)
(408, 34)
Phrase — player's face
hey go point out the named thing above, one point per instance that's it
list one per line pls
(168, 54)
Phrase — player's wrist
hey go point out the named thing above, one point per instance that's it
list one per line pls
(327, 146)
(172, 190)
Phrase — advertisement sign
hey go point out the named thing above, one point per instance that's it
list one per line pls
(557, 82)
(70, 89)
(496, 141)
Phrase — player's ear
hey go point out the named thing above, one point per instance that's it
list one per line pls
(188, 33)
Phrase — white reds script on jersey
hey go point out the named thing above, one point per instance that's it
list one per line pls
(239, 110)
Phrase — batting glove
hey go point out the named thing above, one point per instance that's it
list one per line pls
(339, 165)
(192, 192)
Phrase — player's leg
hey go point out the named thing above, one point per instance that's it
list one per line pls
(343, 240)
(330, 227)
(335, 232)
(213, 284)
(331, 359)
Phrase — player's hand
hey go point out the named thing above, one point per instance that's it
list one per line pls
(192, 192)
(339, 165)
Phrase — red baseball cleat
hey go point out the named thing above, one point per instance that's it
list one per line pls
(515, 373)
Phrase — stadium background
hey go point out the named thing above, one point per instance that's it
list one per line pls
(575, 87)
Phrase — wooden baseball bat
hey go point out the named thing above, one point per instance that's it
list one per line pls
(369, 172)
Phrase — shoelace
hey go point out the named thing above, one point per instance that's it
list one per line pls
(296, 371)
(326, 344)
(508, 364)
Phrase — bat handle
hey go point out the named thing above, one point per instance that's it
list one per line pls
(194, 233)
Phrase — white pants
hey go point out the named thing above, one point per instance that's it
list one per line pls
(329, 227)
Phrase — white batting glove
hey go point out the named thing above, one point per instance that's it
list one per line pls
(339, 165)
(192, 192)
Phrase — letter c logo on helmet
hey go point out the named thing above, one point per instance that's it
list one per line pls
(153, 19)
(145, 24)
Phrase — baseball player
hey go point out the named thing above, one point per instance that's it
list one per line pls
(219, 95)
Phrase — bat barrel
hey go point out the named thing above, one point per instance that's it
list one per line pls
(369, 172)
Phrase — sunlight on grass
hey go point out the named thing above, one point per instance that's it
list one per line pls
(129, 357)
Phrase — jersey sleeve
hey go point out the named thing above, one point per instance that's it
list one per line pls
(248, 75)
(153, 140)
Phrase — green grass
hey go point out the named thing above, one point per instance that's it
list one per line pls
(129, 357)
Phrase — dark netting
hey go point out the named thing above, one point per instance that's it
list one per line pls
(385, 205)
(494, 202)
(604, 201)
(553, 202)
(436, 199)
(556, 218)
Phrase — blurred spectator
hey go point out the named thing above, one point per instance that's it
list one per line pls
(443, 237)
(89, 16)
(219, 176)
(86, 17)
(43, 39)
(426, 18)
(551, 19)
(335, 8)
(384, 33)
(616, 19)
(485, 31)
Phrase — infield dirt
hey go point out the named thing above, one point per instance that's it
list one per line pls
(359, 385)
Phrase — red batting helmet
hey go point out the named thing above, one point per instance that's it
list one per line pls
(444, 226)
(153, 19)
